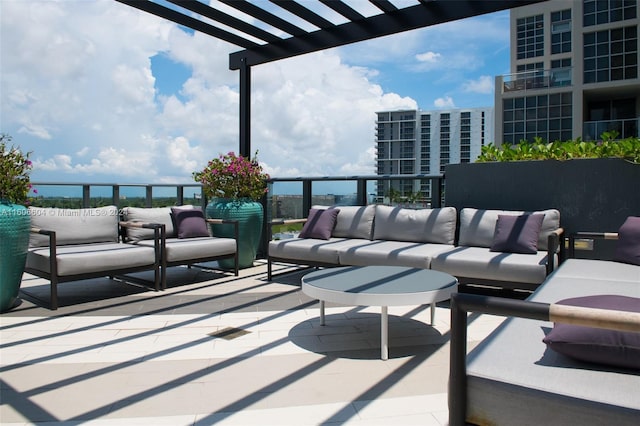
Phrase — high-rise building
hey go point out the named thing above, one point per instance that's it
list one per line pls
(574, 71)
(423, 142)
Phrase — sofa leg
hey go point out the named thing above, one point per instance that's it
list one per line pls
(53, 299)
(269, 272)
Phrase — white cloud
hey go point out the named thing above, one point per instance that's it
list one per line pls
(78, 88)
(444, 102)
(428, 57)
(484, 84)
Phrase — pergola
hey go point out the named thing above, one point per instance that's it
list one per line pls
(267, 34)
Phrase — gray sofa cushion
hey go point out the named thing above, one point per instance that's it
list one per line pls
(312, 250)
(75, 226)
(480, 262)
(180, 250)
(477, 227)
(161, 215)
(391, 253)
(354, 221)
(91, 258)
(415, 225)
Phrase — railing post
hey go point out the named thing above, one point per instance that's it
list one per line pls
(86, 195)
(306, 196)
(180, 195)
(115, 195)
(436, 193)
(149, 196)
(361, 194)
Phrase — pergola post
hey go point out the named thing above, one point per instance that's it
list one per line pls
(245, 109)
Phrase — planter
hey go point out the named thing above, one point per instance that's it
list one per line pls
(15, 225)
(249, 215)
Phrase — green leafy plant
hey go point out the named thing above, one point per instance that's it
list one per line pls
(15, 167)
(608, 147)
(234, 177)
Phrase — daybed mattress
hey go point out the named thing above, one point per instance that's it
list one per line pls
(513, 379)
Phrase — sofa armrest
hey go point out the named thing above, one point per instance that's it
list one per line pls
(53, 252)
(235, 223)
(554, 245)
(594, 235)
(276, 222)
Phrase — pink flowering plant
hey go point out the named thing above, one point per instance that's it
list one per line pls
(232, 176)
(15, 167)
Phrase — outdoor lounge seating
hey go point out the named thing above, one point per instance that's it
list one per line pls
(76, 244)
(513, 377)
(195, 246)
(424, 238)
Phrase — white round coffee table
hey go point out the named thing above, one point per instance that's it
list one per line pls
(382, 286)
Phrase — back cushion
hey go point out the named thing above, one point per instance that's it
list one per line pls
(353, 221)
(421, 226)
(75, 226)
(161, 215)
(477, 227)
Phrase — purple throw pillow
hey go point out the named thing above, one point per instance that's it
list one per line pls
(598, 345)
(517, 234)
(319, 224)
(628, 246)
(189, 223)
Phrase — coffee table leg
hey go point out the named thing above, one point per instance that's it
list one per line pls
(322, 312)
(384, 334)
(433, 312)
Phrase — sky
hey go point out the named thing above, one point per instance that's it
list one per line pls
(99, 91)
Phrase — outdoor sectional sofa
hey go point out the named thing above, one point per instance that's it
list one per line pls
(75, 244)
(580, 377)
(424, 238)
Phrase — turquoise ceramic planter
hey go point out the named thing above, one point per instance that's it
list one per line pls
(249, 215)
(15, 225)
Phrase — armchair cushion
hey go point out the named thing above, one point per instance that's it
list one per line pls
(628, 246)
(161, 215)
(602, 346)
(319, 224)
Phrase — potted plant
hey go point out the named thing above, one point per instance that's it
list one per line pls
(15, 222)
(235, 185)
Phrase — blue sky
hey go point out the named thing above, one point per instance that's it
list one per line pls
(101, 92)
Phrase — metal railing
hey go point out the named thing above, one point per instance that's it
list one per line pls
(536, 79)
(303, 192)
(592, 130)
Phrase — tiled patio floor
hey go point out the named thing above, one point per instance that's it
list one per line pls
(115, 354)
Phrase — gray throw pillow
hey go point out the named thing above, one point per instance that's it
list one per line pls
(190, 223)
(628, 246)
(517, 234)
(320, 224)
(598, 345)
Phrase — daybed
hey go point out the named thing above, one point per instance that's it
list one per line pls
(74, 244)
(422, 238)
(514, 378)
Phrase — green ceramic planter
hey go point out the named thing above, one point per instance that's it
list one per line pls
(15, 224)
(249, 215)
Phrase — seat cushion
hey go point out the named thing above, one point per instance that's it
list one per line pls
(312, 250)
(92, 258)
(75, 226)
(391, 253)
(481, 263)
(415, 225)
(186, 249)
